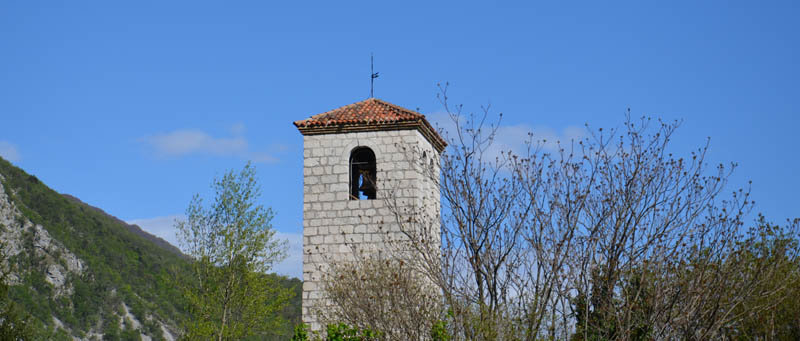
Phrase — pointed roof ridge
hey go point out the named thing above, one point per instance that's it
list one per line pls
(371, 114)
(395, 106)
(354, 113)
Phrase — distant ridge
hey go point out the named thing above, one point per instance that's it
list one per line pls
(158, 241)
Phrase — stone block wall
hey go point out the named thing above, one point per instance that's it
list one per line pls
(333, 224)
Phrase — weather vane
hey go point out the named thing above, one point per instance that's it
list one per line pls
(372, 76)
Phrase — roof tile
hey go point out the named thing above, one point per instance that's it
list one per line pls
(371, 110)
(370, 114)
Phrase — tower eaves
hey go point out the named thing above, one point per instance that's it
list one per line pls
(371, 114)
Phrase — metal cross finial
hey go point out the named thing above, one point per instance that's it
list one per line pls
(372, 76)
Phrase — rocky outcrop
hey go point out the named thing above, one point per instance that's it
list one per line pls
(58, 261)
(20, 237)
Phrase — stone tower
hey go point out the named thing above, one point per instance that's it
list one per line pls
(356, 158)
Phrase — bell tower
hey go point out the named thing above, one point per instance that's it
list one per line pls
(356, 158)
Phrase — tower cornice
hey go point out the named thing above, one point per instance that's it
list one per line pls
(371, 114)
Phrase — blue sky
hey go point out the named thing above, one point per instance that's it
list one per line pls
(134, 107)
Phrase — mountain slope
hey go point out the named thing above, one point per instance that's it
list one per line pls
(83, 273)
(133, 228)
(79, 269)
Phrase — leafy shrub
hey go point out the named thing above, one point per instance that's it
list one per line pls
(337, 332)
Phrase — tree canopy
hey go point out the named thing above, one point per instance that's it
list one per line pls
(233, 247)
(607, 237)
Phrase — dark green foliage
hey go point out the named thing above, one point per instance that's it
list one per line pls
(772, 313)
(60, 335)
(111, 330)
(115, 257)
(128, 333)
(597, 319)
(343, 332)
(439, 332)
(780, 320)
(338, 332)
(300, 332)
(122, 265)
(15, 324)
(292, 312)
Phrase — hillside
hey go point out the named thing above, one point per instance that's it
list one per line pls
(82, 273)
(158, 241)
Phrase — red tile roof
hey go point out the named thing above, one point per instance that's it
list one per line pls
(369, 115)
(369, 111)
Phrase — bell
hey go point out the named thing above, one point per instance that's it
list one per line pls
(366, 185)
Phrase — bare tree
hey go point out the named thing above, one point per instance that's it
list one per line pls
(606, 237)
(380, 294)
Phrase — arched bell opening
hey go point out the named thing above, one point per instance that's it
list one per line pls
(362, 174)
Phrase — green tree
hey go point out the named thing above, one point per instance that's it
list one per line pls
(774, 313)
(233, 247)
(15, 324)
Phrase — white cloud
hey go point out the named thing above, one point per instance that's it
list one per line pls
(514, 137)
(575, 133)
(238, 128)
(186, 142)
(261, 157)
(164, 227)
(293, 264)
(160, 227)
(182, 142)
(547, 138)
(9, 151)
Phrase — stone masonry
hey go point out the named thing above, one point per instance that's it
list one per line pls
(333, 222)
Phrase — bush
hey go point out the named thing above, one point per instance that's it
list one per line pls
(337, 332)
(375, 294)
